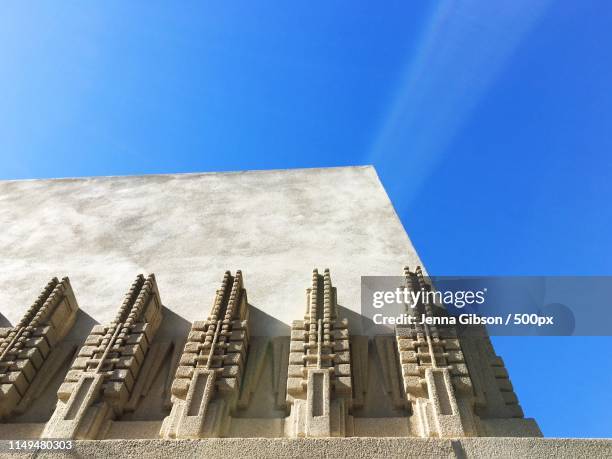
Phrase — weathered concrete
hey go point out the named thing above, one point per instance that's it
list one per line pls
(187, 229)
(241, 372)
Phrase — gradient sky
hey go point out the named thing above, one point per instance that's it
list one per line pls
(489, 124)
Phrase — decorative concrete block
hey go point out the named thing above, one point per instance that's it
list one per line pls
(101, 379)
(207, 382)
(319, 362)
(25, 348)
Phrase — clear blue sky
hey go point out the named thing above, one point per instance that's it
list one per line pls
(489, 124)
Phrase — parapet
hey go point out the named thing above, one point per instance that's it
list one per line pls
(216, 380)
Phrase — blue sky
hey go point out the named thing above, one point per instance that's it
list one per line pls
(489, 124)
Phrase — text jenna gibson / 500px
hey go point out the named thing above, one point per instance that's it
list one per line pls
(463, 319)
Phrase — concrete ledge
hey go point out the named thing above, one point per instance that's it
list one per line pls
(355, 447)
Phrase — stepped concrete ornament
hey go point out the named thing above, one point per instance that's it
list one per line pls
(24, 349)
(434, 374)
(363, 395)
(99, 384)
(455, 385)
(207, 382)
(319, 388)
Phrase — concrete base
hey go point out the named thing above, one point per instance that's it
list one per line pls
(325, 447)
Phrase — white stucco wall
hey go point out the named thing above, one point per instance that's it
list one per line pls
(189, 228)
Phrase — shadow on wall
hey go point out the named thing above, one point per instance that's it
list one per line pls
(173, 326)
(151, 400)
(263, 324)
(4, 322)
(81, 328)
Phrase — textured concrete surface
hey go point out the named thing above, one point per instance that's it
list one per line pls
(188, 229)
(276, 226)
(336, 447)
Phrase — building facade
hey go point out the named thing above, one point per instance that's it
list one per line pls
(186, 307)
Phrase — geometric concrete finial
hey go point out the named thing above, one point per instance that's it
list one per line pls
(319, 388)
(101, 379)
(24, 348)
(453, 394)
(208, 380)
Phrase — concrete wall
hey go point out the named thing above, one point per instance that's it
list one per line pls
(189, 228)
